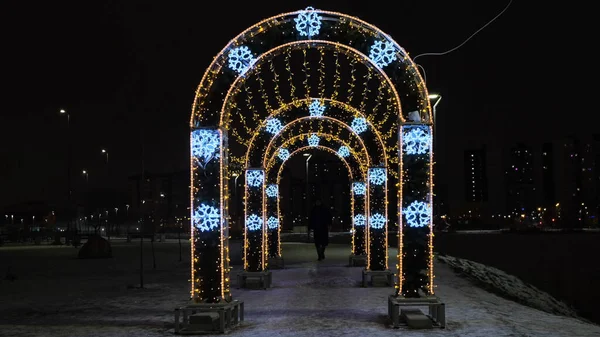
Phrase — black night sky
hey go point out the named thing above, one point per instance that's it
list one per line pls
(126, 71)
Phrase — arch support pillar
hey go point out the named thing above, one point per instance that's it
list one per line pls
(377, 247)
(415, 232)
(359, 218)
(255, 224)
(273, 221)
(209, 216)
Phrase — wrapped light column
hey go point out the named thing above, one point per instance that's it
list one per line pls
(415, 235)
(255, 247)
(209, 217)
(272, 220)
(377, 221)
(359, 218)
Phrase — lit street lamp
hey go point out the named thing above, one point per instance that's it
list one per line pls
(308, 156)
(106, 153)
(85, 173)
(69, 161)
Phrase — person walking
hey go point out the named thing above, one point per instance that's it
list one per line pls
(319, 223)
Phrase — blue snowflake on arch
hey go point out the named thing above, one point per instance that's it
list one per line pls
(273, 126)
(205, 145)
(283, 154)
(343, 151)
(377, 221)
(382, 53)
(377, 175)
(417, 214)
(241, 59)
(360, 220)
(206, 218)
(416, 139)
(313, 140)
(316, 109)
(359, 125)
(308, 22)
(273, 222)
(255, 178)
(359, 188)
(254, 222)
(272, 190)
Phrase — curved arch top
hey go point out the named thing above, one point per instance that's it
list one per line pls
(337, 28)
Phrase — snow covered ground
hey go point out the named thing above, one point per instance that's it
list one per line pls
(56, 294)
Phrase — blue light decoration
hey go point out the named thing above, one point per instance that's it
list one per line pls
(255, 178)
(359, 188)
(416, 139)
(206, 218)
(254, 222)
(283, 154)
(316, 109)
(241, 59)
(343, 151)
(382, 53)
(273, 222)
(272, 190)
(308, 22)
(377, 175)
(313, 140)
(360, 220)
(418, 214)
(274, 126)
(359, 125)
(377, 221)
(205, 146)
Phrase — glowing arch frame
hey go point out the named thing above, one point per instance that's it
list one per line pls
(381, 146)
(345, 162)
(213, 71)
(219, 60)
(353, 153)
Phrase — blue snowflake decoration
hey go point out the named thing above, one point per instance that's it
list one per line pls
(343, 151)
(360, 220)
(377, 221)
(283, 154)
(273, 222)
(359, 125)
(382, 53)
(377, 175)
(255, 178)
(313, 140)
(308, 22)
(359, 188)
(254, 222)
(272, 191)
(417, 214)
(316, 109)
(205, 145)
(241, 59)
(274, 126)
(416, 140)
(206, 218)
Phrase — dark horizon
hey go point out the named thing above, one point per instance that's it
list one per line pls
(127, 73)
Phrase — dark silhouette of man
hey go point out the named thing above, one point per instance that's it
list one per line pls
(320, 220)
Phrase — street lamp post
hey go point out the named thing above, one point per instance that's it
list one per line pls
(308, 156)
(437, 98)
(69, 161)
(106, 153)
(85, 173)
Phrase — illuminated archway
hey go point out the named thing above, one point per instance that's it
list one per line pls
(408, 136)
(358, 193)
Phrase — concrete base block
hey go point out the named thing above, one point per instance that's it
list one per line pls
(377, 278)
(276, 262)
(208, 318)
(264, 278)
(357, 260)
(412, 316)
